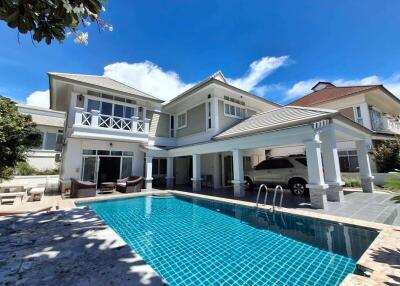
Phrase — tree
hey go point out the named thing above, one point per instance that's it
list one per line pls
(17, 135)
(52, 19)
(387, 155)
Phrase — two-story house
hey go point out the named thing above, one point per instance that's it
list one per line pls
(208, 134)
(50, 124)
(372, 106)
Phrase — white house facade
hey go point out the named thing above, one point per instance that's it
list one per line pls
(50, 124)
(209, 134)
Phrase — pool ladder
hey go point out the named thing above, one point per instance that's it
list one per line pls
(277, 188)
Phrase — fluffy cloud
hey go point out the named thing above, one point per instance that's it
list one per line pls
(151, 78)
(148, 77)
(258, 71)
(303, 87)
(39, 98)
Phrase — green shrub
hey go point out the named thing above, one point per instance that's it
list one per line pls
(393, 184)
(24, 169)
(387, 155)
(351, 182)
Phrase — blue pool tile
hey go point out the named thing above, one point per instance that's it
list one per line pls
(197, 242)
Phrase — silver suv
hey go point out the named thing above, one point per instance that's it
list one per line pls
(286, 171)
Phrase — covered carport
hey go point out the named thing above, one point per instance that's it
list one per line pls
(317, 129)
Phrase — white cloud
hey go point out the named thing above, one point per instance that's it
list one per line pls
(150, 78)
(258, 71)
(303, 87)
(39, 98)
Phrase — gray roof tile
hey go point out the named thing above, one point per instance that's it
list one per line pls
(283, 117)
(106, 82)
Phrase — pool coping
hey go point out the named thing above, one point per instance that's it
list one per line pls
(379, 270)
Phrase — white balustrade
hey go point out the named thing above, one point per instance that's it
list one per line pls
(96, 119)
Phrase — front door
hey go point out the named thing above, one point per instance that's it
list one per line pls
(182, 170)
(109, 168)
(228, 170)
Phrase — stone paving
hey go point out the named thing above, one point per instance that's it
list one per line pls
(67, 248)
(376, 207)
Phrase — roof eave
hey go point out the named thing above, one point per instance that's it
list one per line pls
(57, 77)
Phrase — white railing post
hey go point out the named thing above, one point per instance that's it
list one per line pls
(78, 115)
(95, 118)
(146, 125)
(134, 122)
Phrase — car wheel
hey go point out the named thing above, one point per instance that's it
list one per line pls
(298, 188)
(249, 183)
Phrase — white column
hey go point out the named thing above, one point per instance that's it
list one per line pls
(78, 115)
(134, 120)
(95, 118)
(170, 172)
(365, 167)
(146, 125)
(238, 176)
(196, 179)
(316, 183)
(330, 158)
(149, 173)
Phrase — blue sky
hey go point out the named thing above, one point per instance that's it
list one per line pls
(276, 49)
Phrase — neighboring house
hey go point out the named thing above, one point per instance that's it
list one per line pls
(50, 124)
(209, 135)
(372, 106)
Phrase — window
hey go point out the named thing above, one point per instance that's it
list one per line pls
(376, 119)
(182, 120)
(40, 145)
(234, 111)
(302, 161)
(357, 115)
(274, 164)
(172, 127)
(93, 105)
(126, 167)
(51, 140)
(159, 167)
(348, 161)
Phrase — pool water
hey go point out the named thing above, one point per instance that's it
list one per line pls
(201, 242)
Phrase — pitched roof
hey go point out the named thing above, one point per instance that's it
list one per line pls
(217, 78)
(104, 82)
(330, 92)
(283, 117)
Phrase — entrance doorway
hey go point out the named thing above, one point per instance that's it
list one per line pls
(109, 168)
(228, 170)
(183, 169)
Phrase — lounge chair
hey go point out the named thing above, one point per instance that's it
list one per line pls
(11, 193)
(130, 184)
(82, 189)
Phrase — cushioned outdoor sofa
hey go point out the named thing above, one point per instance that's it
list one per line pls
(130, 184)
(82, 189)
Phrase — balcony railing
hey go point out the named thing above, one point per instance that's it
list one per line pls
(391, 124)
(96, 119)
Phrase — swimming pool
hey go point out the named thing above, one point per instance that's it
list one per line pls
(200, 242)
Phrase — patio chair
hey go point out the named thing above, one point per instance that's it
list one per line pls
(9, 194)
(130, 184)
(82, 189)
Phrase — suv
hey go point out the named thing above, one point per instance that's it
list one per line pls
(286, 171)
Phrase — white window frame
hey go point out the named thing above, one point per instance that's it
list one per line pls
(113, 103)
(177, 120)
(358, 117)
(229, 103)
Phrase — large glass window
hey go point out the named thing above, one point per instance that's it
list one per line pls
(126, 167)
(89, 169)
(348, 161)
(93, 105)
(118, 110)
(106, 108)
(50, 142)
